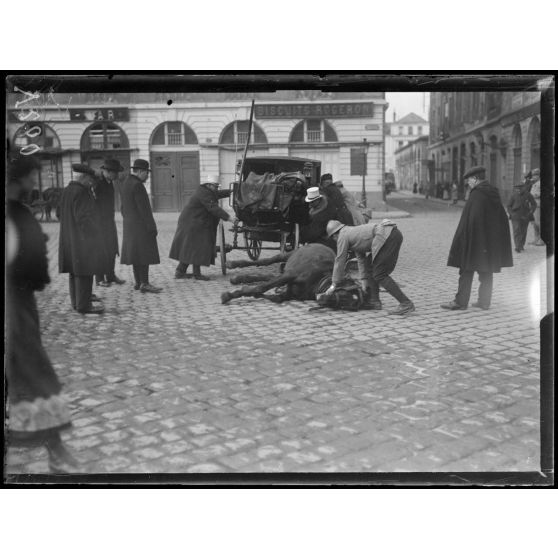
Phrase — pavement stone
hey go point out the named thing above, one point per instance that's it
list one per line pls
(178, 382)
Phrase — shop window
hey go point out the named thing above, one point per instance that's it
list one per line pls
(473, 152)
(174, 133)
(419, 130)
(410, 130)
(313, 131)
(237, 133)
(534, 136)
(400, 130)
(50, 175)
(104, 136)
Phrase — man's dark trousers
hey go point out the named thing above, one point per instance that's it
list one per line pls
(81, 289)
(109, 276)
(464, 288)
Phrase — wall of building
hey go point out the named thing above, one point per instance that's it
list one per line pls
(208, 120)
(499, 130)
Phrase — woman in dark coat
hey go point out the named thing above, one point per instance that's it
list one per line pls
(37, 412)
(139, 238)
(81, 252)
(482, 242)
(196, 231)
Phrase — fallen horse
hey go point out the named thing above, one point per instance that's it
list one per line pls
(306, 276)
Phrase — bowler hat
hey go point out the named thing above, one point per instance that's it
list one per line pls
(475, 171)
(326, 176)
(312, 194)
(141, 164)
(112, 165)
(83, 169)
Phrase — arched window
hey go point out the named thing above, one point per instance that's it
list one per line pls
(534, 138)
(237, 133)
(42, 141)
(517, 144)
(38, 134)
(173, 133)
(313, 131)
(104, 136)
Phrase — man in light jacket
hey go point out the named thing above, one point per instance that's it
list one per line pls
(377, 249)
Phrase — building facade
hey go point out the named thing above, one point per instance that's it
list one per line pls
(398, 134)
(411, 164)
(186, 136)
(499, 130)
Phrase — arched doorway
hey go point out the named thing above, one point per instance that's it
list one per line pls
(534, 143)
(175, 165)
(517, 154)
(312, 138)
(232, 144)
(105, 140)
(41, 140)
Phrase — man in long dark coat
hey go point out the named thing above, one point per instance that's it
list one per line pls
(196, 231)
(139, 238)
(105, 206)
(335, 198)
(482, 242)
(80, 251)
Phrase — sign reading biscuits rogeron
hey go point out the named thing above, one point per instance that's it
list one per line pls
(315, 110)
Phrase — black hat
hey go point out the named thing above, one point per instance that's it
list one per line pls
(112, 165)
(475, 171)
(141, 164)
(83, 169)
(326, 176)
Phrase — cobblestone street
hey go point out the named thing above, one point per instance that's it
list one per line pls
(179, 383)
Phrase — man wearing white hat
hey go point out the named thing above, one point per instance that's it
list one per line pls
(196, 231)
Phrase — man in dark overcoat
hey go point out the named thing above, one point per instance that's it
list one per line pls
(80, 250)
(105, 206)
(482, 242)
(139, 238)
(196, 231)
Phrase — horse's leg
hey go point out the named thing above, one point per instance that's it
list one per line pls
(258, 263)
(256, 290)
(247, 278)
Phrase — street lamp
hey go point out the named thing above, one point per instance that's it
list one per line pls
(364, 160)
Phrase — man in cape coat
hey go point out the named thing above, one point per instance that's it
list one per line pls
(482, 242)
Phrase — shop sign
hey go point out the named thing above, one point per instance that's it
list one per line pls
(100, 114)
(315, 110)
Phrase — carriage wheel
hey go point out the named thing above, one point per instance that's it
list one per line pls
(253, 247)
(222, 250)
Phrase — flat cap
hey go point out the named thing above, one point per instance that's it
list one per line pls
(83, 169)
(475, 171)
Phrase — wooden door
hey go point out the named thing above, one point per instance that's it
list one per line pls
(164, 182)
(189, 176)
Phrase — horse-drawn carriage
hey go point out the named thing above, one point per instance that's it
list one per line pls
(268, 200)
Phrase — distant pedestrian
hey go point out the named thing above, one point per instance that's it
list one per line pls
(80, 252)
(139, 238)
(195, 238)
(536, 193)
(351, 204)
(454, 193)
(520, 209)
(481, 243)
(415, 188)
(104, 191)
(36, 410)
(376, 248)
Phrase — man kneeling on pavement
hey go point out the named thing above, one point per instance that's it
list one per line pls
(376, 248)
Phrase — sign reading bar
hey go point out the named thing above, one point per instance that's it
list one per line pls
(315, 110)
(101, 114)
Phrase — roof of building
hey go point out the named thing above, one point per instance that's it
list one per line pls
(411, 143)
(411, 118)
